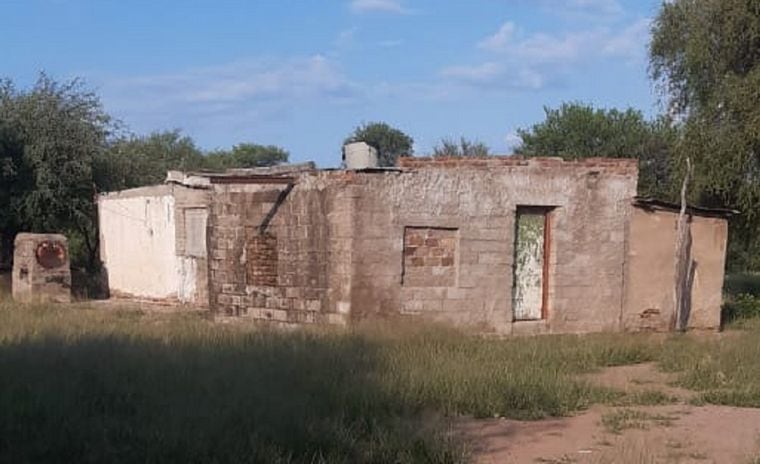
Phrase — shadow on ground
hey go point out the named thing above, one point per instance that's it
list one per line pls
(257, 397)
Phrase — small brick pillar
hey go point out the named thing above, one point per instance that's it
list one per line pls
(41, 270)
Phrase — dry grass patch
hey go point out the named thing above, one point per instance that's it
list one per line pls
(617, 421)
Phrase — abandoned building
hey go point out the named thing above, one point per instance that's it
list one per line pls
(500, 244)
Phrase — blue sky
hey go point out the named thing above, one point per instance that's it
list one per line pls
(302, 74)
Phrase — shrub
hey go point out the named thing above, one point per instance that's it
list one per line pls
(736, 284)
(740, 307)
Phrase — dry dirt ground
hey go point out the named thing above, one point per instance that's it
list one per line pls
(671, 433)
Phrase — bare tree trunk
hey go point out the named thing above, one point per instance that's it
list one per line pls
(683, 262)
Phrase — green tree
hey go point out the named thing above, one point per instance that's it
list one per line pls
(704, 55)
(50, 136)
(465, 147)
(246, 155)
(144, 160)
(390, 142)
(576, 130)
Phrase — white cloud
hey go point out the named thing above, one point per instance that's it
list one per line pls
(383, 6)
(512, 140)
(346, 38)
(243, 80)
(501, 39)
(230, 95)
(530, 61)
(585, 10)
(390, 43)
(477, 74)
(495, 74)
(631, 42)
(608, 7)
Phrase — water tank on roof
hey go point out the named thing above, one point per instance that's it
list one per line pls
(359, 155)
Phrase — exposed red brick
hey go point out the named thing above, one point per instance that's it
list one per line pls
(261, 265)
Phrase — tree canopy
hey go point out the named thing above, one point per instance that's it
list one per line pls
(245, 155)
(144, 160)
(59, 148)
(464, 147)
(136, 161)
(704, 55)
(389, 141)
(576, 130)
(51, 136)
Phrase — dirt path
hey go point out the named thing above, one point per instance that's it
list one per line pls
(672, 433)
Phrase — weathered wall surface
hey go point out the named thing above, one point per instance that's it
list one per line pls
(709, 242)
(41, 268)
(296, 270)
(138, 242)
(650, 273)
(153, 243)
(478, 200)
(435, 240)
(191, 219)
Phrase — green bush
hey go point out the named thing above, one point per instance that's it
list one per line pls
(736, 284)
(741, 306)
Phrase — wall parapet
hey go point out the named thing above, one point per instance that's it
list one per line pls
(489, 162)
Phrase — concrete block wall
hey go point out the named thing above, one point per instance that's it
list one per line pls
(287, 273)
(433, 240)
(590, 207)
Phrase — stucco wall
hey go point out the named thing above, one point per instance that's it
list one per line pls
(138, 242)
(650, 275)
(142, 244)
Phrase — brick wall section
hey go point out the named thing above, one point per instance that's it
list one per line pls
(429, 256)
(261, 256)
(290, 274)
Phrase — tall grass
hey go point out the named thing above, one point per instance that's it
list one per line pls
(120, 385)
(524, 378)
(726, 370)
(90, 385)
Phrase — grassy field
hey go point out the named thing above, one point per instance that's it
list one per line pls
(84, 384)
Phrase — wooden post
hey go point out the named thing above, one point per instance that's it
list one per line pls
(683, 261)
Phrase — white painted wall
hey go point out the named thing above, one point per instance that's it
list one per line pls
(138, 245)
(188, 277)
